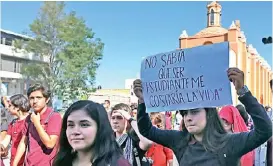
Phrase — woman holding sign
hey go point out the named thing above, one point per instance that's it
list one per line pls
(203, 140)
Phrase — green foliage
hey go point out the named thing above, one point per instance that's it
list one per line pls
(70, 48)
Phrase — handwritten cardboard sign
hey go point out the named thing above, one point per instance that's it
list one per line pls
(187, 78)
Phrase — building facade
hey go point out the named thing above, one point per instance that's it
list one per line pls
(129, 85)
(11, 61)
(257, 71)
(115, 96)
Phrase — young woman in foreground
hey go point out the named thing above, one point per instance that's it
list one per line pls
(203, 140)
(87, 138)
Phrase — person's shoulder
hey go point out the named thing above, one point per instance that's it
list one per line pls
(56, 115)
(54, 119)
(28, 118)
(132, 134)
(13, 121)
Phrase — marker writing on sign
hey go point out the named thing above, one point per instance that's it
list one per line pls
(172, 58)
(175, 72)
(181, 98)
(166, 59)
(174, 84)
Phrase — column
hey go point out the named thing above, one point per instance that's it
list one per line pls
(267, 90)
(261, 84)
(239, 57)
(264, 85)
(254, 75)
(257, 87)
(248, 71)
(270, 94)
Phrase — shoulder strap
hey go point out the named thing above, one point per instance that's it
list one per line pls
(28, 121)
(136, 156)
(48, 117)
(14, 121)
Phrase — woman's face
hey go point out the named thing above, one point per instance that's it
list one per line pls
(13, 110)
(227, 125)
(134, 113)
(81, 130)
(195, 120)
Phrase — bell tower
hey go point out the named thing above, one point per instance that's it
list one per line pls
(214, 14)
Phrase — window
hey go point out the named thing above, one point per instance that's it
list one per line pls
(212, 17)
(15, 66)
(3, 40)
(8, 41)
(7, 64)
(11, 64)
(19, 66)
(207, 43)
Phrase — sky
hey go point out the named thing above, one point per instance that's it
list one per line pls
(132, 30)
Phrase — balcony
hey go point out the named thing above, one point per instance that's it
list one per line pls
(8, 51)
(12, 75)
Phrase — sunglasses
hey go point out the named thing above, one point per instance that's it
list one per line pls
(118, 117)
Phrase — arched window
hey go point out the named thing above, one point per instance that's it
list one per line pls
(212, 17)
(207, 43)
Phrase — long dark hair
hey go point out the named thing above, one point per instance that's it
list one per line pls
(214, 135)
(105, 148)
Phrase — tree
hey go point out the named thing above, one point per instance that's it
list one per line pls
(70, 48)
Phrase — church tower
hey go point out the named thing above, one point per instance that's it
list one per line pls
(214, 14)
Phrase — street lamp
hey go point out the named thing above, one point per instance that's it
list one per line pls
(267, 40)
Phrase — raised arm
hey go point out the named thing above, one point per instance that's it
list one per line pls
(144, 143)
(248, 141)
(166, 138)
(242, 143)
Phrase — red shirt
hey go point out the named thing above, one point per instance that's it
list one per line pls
(38, 154)
(15, 131)
(168, 120)
(159, 154)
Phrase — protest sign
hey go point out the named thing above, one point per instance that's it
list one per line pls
(187, 78)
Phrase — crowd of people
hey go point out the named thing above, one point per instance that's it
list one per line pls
(92, 134)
